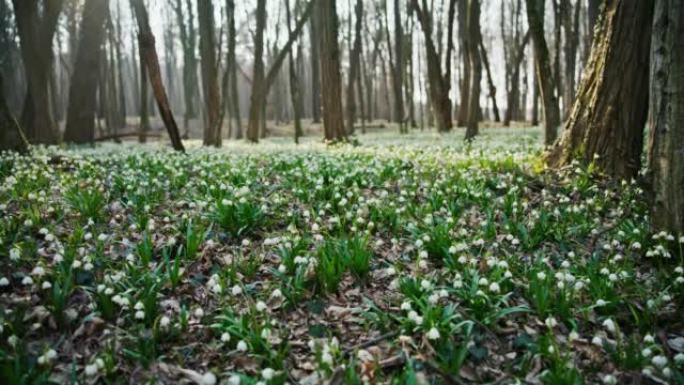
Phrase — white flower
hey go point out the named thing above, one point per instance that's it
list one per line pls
(164, 321)
(46, 285)
(234, 380)
(225, 337)
(597, 341)
(236, 290)
(261, 306)
(433, 334)
(659, 361)
(199, 312)
(208, 378)
(646, 352)
(679, 358)
(15, 254)
(91, 370)
(268, 374)
(573, 336)
(406, 306)
(494, 287)
(609, 325)
(601, 302)
(27, 281)
(4, 282)
(609, 379)
(649, 339)
(551, 322)
(425, 284)
(242, 346)
(276, 293)
(139, 314)
(327, 358)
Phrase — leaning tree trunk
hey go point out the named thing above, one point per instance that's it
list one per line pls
(611, 107)
(666, 141)
(473, 25)
(331, 79)
(151, 62)
(80, 123)
(542, 65)
(212, 103)
(11, 136)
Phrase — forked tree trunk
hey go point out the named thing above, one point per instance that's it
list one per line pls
(472, 128)
(666, 140)
(151, 62)
(610, 111)
(12, 138)
(80, 123)
(542, 65)
(212, 102)
(331, 79)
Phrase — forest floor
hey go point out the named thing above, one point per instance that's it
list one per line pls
(404, 260)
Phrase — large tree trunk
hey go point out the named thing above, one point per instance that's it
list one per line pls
(151, 62)
(608, 117)
(212, 102)
(666, 140)
(438, 83)
(472, 127)
(543, 71)
(80, 124)
(354, 66)
(36, 24)
(11, 136)
(331, 79)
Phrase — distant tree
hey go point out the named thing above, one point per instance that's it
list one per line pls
(295, 93)
(490, 80)
(36, 23)
(188, 39)
(151, 62)
(544, 74)
(315, 71)
(473, 24)
(331, 78)
(666, 139)
(80, 123)
(398, 69)
(438, 82)
(611, 107)
(212, 98)
(354, 66)
(231, 69)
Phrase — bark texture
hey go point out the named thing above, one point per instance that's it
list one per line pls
(542, 65)
(666, 140)
(610, 110)
(80, 124)
(151, 62)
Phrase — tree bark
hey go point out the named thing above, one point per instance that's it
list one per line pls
(315, 71)
(438, 83)
(666, 139)
(398, 69)
(12, 138)
(543, 72)
(465, 86)
(80, 123)
(608, 117)
(295, 95)
(354, 66)
(144, 126)
(36, 30)
(234, 99)
(212, 102)
(151, 62)
(490, 81)
(474, 37)
(331, 79)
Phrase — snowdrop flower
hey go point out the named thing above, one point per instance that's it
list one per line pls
(573, 336)
(646, 352)
(679, 359)
(208, 378)
(15, 254)
(4, 282)
(609, 379)
(261, 306)
(199, 312)
(597, 341)
(609, 325)
(46, 285)
(425, 284)
(276, 293)
(659, 361)
(236, 290)
(600, 303)
(27, 281)
(234, 380)
(164, 321)
(139, 314)
(406, 306)
(433, 334)
(649, 339)
(242, 346)
(551, 322)
(91, 370)
(225, 337)
(268, 374)
(494, 287)
(327, 358)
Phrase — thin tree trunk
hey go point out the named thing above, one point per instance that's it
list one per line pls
(465, 86)
(607, 121)
(514, 92)
(144, 93)
(234, 102)
(80, 123)
(295, 95)
(149, 53)
(474, 35)
(315, 71)
(666, 140)
(490, 81)
(398, 69)
(354, 66)
(212, 102)
(543, 71)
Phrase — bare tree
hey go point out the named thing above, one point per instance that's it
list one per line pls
(151, 63)
(354, 67)
(474, 37)
(331, 79)
(80, 124)
(212, 98)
